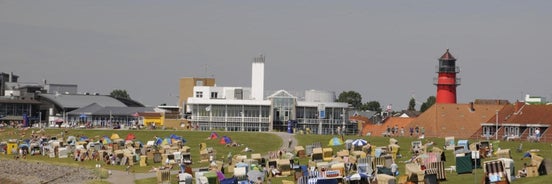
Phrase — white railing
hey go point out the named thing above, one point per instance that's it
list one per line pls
(230, 119)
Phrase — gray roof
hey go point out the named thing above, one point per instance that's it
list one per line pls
(78, 101)
(96, 109)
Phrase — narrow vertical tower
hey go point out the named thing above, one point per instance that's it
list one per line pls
(257, 78)
(446, 82)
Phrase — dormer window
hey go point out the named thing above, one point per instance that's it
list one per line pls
(199, 94)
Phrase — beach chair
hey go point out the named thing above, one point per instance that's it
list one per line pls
(365, 166)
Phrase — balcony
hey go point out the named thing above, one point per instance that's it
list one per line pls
(457, 82)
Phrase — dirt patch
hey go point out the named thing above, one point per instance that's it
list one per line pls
(16, 171)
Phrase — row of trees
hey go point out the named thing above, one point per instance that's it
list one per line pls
(355, 99)
(119, 93)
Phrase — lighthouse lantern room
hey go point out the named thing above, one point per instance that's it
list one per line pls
(446, 81)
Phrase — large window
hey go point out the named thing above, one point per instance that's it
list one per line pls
(234, 111)
(512, 130)
(488, 131)
(251, 111)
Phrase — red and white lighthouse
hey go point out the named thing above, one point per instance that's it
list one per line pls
(446, 82)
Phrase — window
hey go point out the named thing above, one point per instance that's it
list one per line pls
(214, 95)
(199, 82)
(199, 94)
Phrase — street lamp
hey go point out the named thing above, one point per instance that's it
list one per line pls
(496, 127)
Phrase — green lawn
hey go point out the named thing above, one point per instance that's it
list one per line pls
(264, 142)
(259, 142)
(404, 142)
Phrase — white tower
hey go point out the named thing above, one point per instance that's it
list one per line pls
(257, 78)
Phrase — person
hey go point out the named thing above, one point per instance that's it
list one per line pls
(417, 130)
(402, 131)
(289, 142)
(182, 166)
(411, 131)
(523, 171)
(526, 155)
(388, 130)
(423, 130)
(394, 169)
(537, 134)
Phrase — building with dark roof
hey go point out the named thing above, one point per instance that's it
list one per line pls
(43, 102)
(70, 107)
(99, 115)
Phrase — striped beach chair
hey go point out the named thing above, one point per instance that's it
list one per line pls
(495, 171)
(439, 169)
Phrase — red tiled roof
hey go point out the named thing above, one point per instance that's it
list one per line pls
(530, 114)
(447, 56)
(399, 121)
(503, 113)
(457, 120)
(363, 122)
(378, 129)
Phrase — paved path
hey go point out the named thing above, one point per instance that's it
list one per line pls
(123, 177)
(285, 140)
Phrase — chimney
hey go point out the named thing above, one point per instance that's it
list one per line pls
(471, 107)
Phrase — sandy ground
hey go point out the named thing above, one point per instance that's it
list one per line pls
(17, 171)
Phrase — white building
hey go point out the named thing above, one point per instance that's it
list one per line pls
(247, 109)
(534, 99)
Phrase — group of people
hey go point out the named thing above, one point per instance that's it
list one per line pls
(395, 131)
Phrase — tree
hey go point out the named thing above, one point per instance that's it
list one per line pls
(372, 106)
(119, 93)
(429, 102)
(412, 104)
(351, 97)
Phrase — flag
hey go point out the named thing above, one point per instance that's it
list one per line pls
(208, 108)
(389, 108)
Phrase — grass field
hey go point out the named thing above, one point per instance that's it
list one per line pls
(453, 178)
(265, 142)
(259, 142)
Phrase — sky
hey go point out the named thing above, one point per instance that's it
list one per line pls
(385, 50)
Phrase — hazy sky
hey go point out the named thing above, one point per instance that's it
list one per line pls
(387, 51)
